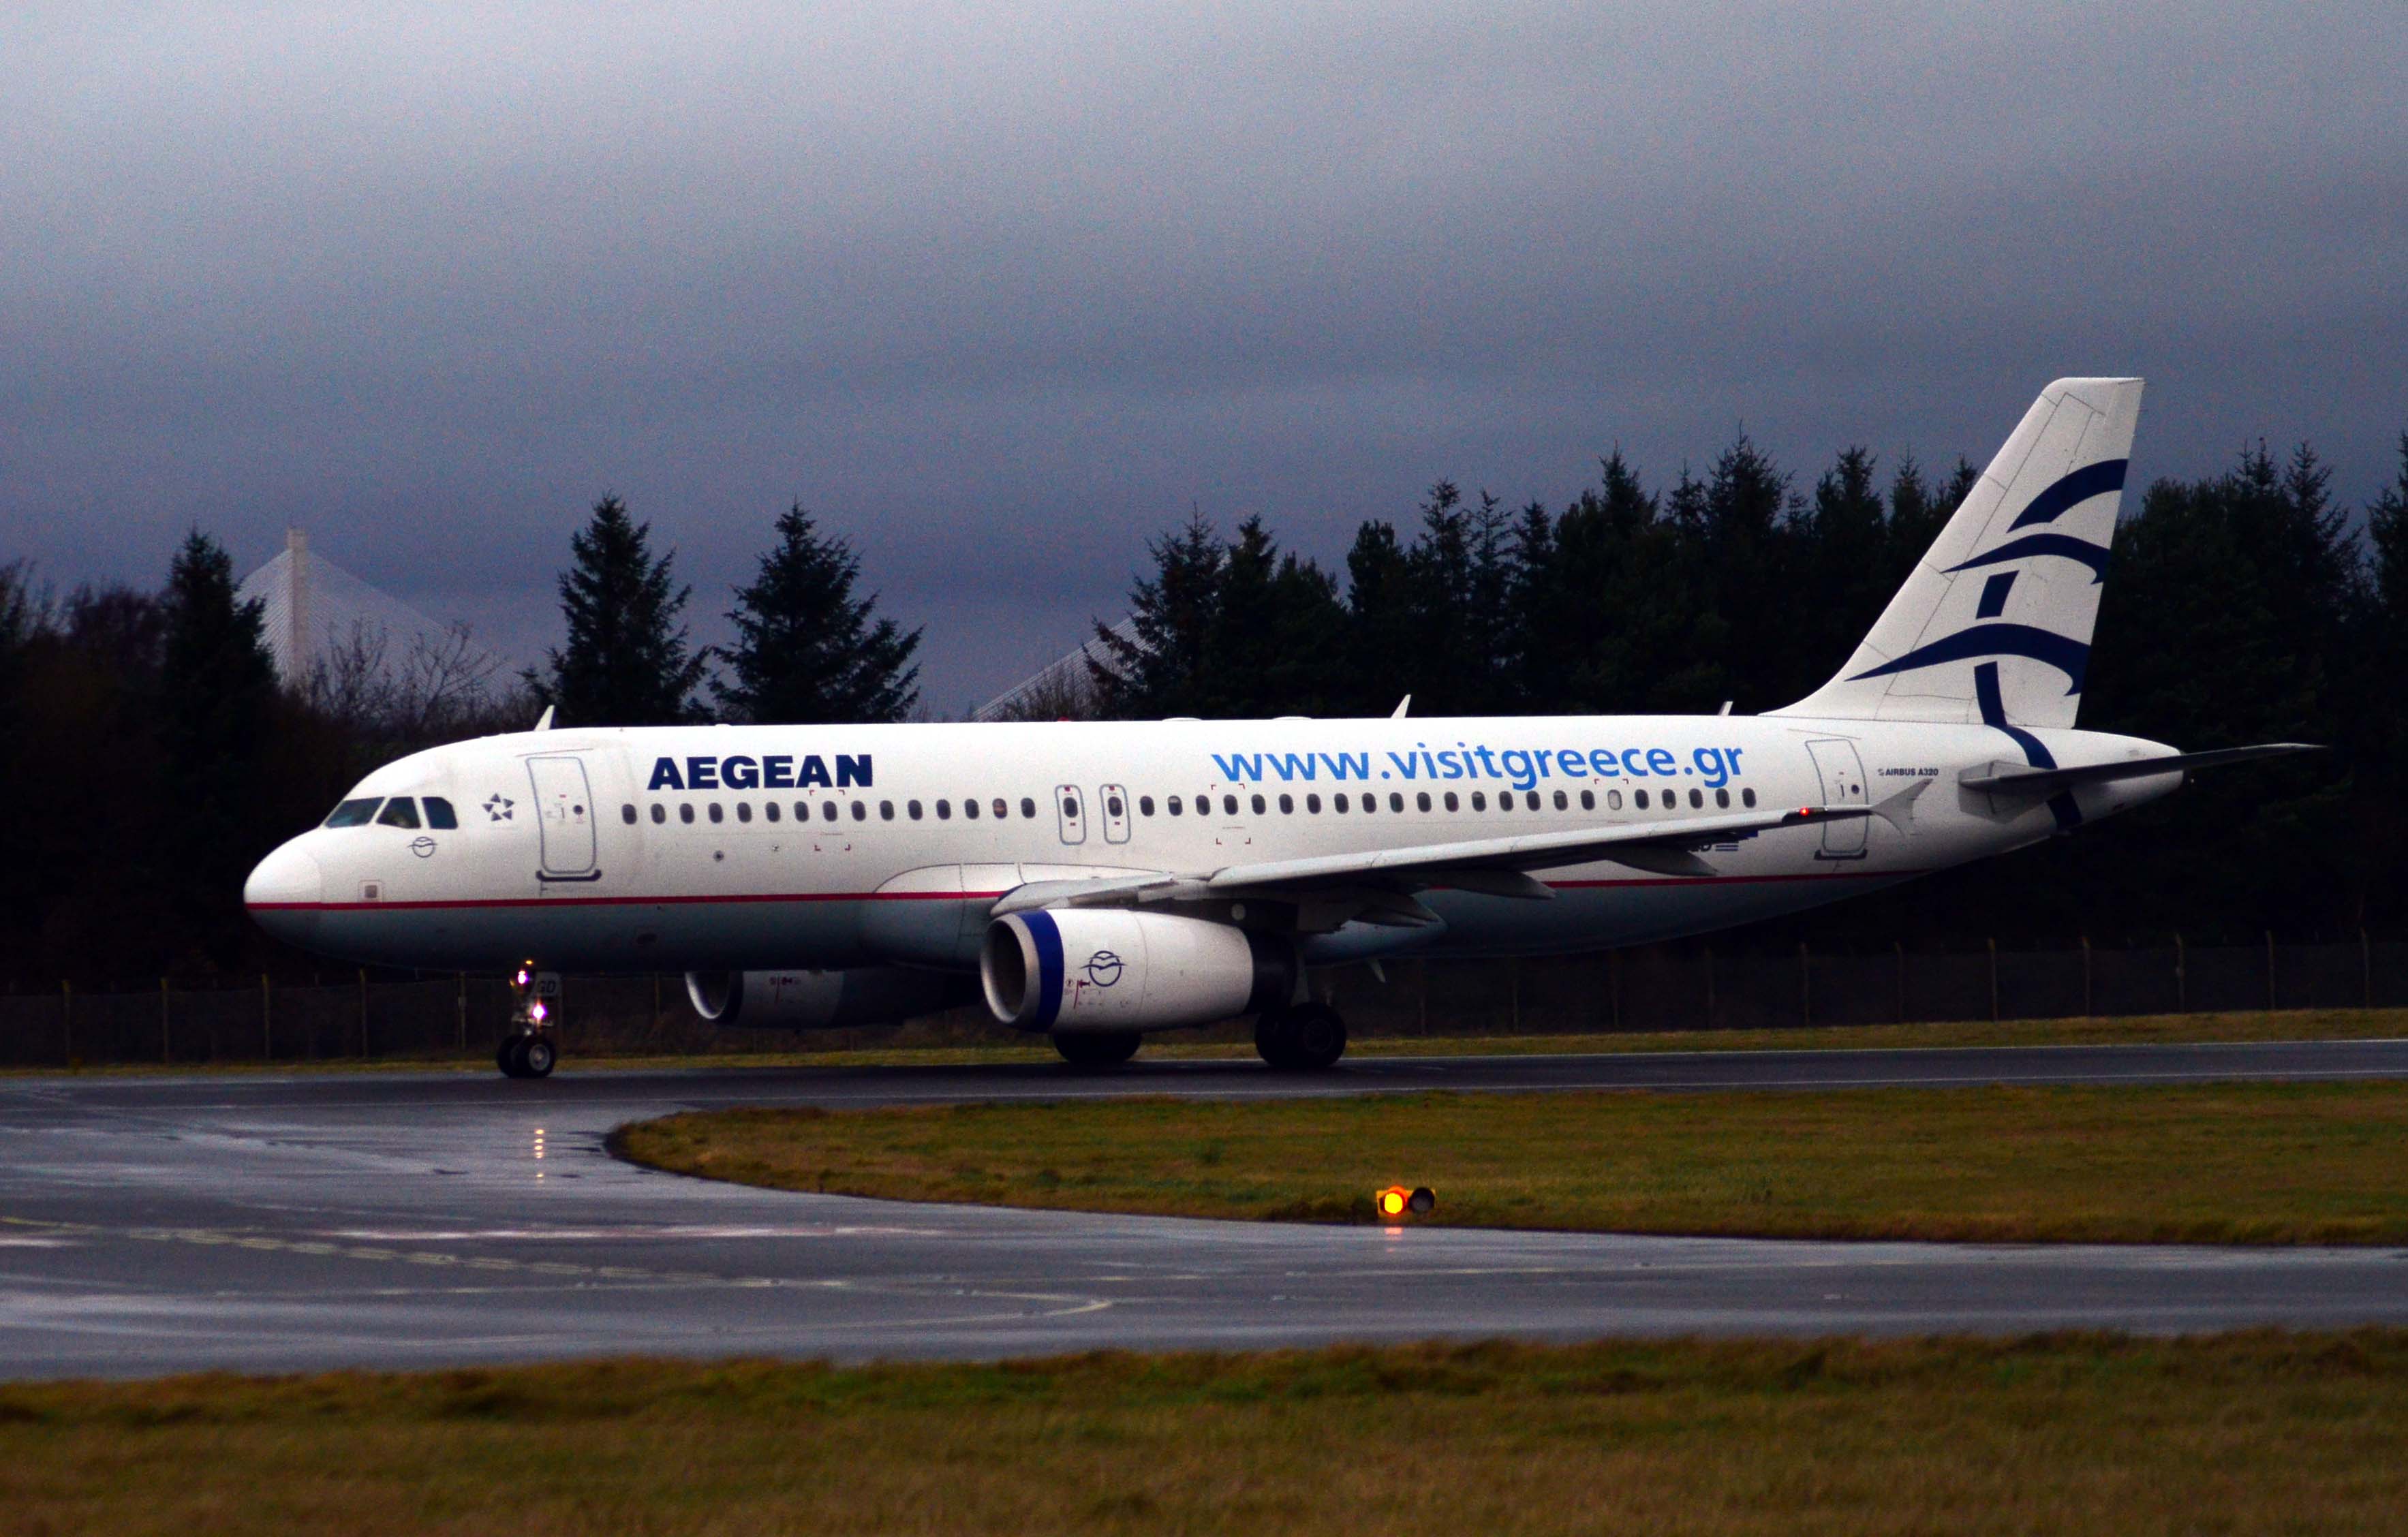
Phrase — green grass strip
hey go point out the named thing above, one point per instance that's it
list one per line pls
(2224, 1163)
(2234, 1433)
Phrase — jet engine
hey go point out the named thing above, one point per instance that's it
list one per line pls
(1106, 969)
(821, 1001)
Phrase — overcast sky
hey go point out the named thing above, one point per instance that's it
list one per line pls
(1001, 291)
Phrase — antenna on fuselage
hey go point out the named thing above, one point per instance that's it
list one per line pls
(1402, 705)
(543, 722)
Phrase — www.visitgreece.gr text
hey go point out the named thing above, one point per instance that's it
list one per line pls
(1521, 767)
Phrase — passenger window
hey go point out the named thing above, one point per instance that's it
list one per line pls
(1336, 802)
(944, 810)
(743, 811)
(1612, 800)
(1479, 802)
(912, 810)
(439, 814)
(660, 813)
(1115, 807)
(769, 810)
(828, 810)
(1722, 797)
(1560, 801)
(860, 811)
(1171, 805)
(1229, 805)
(1422, 800)
(1452, 804)
(969, 809)
(1259, 807)
(716, 814)
(400, 811)
(1145, 805)
(1747, 798)
(628, 813)
(1003, 809)
(1639, 799)
(1588, 800)
(1530, 799)
(1028, 807)
(686, 812)
(1697, 801)
(1287, 805)
(886, 811)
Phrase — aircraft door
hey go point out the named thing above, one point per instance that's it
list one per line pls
(563, 803)
(1844, 784)
(1071, 808)
(1116, 814)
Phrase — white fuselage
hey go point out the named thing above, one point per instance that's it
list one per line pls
(674, 849)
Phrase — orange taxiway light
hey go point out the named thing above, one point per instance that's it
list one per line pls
(1395, 1201)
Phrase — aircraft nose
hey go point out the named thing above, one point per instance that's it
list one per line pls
(284, 894)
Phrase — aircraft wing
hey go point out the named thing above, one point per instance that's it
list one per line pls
(2048, 782)
(1495, 866)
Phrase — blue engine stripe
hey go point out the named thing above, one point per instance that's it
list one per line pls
(1048, 940)
(2070, 491)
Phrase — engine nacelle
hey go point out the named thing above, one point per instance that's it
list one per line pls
(1106, 969)
(821, 1001)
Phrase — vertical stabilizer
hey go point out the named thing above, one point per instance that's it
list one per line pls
(1995, 624)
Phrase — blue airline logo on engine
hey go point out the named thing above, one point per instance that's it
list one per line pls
(769, 771)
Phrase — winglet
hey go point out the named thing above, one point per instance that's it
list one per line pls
(1402, 705)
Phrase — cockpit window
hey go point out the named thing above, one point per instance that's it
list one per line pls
(400, 811)
(438, 813)
(355, 814)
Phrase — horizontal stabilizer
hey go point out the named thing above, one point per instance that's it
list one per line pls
(2042, 782)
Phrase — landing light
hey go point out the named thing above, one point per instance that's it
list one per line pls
(536, 1011)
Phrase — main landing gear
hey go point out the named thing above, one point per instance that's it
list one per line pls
(1304, 1038)
(530, 1046)
(1095, 1048)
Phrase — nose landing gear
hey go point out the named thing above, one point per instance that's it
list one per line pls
(530, 1046)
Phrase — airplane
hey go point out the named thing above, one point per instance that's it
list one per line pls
(1094, 881)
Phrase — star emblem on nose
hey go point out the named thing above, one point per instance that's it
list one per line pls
(498, 809)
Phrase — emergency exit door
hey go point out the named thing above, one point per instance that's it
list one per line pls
(1844, 784)
(563, 803)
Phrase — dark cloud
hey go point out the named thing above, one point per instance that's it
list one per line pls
(1001, 298)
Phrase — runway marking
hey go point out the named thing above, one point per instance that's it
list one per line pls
(374, 1255)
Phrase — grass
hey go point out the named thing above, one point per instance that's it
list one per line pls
(2233, 1433)
(2224, 1163)
(2254, 1025)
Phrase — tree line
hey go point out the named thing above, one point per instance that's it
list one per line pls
(2243, 606)
(152, 754)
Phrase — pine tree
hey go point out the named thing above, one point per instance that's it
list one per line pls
(1164, 669)
(216, 693)
(807, 649)
(627, 661)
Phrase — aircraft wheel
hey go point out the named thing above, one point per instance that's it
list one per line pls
(509, 1056)
(1305, 1038)
(538, 1055)
(1097, 1048)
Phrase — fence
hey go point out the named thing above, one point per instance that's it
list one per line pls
(1657, 987)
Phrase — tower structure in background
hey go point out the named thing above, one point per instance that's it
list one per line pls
(312, 610)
